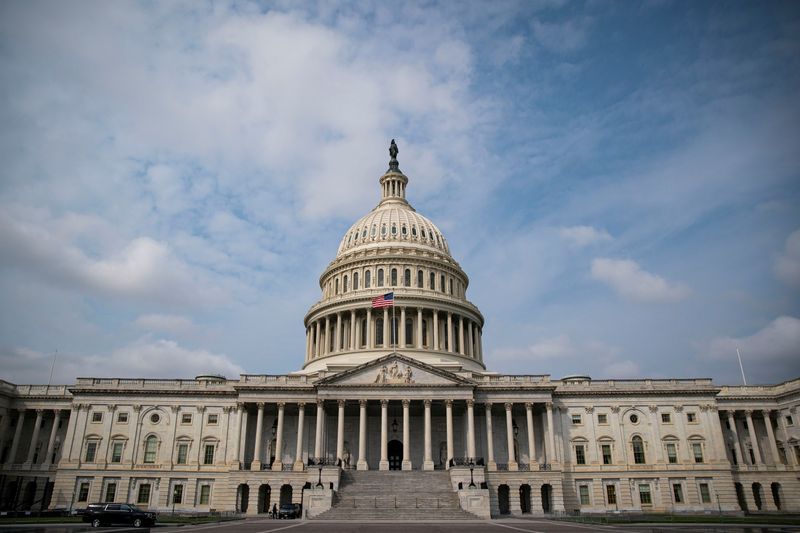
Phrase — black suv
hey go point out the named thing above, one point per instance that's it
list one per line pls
(100, 514)
(289, 510)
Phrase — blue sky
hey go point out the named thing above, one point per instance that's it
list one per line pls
(620, 180)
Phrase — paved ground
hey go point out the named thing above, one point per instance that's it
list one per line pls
(493, 526)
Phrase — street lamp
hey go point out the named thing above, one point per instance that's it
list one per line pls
(516, 427)
(319, 482)
(394, 426)
(471, 477)
(274, 427)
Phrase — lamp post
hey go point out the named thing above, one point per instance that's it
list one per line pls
(471, 477)
(319, 482)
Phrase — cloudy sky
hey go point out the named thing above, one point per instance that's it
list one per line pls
(620, 180)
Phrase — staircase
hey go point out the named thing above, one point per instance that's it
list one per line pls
(395, 495)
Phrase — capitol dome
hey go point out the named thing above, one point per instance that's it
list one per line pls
(393, 249)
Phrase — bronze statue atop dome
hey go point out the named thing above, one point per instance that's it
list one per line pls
(393, 151)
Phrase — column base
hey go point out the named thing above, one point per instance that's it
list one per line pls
(362, 465)
(427, 465)
(277, 465)
(383, 465)
(255, 465)
(513, 467)
(491, 466)
(406, 465)
(298, 466)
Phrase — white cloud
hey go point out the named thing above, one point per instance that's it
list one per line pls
(546, 349)
(774, 350)
(165, 323)
(787, 264)
(633, 283)
(584, 235)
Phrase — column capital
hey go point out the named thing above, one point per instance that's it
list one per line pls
(260, 406)
(320, 403)
(549, 406)
(678, 408)
(227, 409)
(427, 403)
(384, 403)
(615, 408)
(488, 406)
(509, 406)
(528, 406)
(362, 403)
(654, 408)
(39, 412)
(406, 403)
(448, 403)
(730, 413)
(470, 403)
(341, 403)
(748, 412)
(240, 405)
(280, 405)
(301, 405)
(174, 408)
(201, 409)
(136, 407)
(111, 407)
(589, 410)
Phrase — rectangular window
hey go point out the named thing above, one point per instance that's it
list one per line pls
(208, 456)
(611, 494)
(705, 493)
(697, 450)
(205, 493)
(691, 418)
(122, 418)
(143, 497)
(91, 450)
(583, 490)
(183, 451)
(111, 492)
(644, 494)
(580, 456)
(576, 419)
(97, 416)
(672, 453)
(186, 418)
(789, 420)
(677, 492)
(116, 452)
(213, 419)
(177, 494)
(606, 448)
(83, 492)
(602, 418)
(666, 418)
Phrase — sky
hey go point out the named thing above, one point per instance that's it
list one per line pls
(620, 180)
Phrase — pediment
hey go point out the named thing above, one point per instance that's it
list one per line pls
(395, 370)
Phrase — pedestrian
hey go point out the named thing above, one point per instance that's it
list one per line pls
(274, 510)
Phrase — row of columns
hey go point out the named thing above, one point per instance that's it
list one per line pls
(318, 333)
(37, 426)
(758, 457)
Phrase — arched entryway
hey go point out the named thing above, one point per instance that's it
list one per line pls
(264, 496)
(776, 495)
(740, 496)
(547, 498)
(286, 494)
(525, 498)
(395, 452)
(757, 495)
(242, 498)
(502, 499)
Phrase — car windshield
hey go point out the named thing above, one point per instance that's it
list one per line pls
(134, 508)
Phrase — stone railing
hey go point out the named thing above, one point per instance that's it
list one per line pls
(35, 390)
(258, 379)
(139, 384)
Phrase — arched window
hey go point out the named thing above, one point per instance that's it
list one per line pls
(432, 281)
(394, 277)
(441, 283)
(420, 278)
(336, 284)
(355, 281)
(150, 449)
(379, 332)
(451, 286)
(344, 283)
(638, 450)
(367, 279)
(407, 278)
(380, 277)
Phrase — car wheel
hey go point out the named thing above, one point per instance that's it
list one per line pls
(96, 522)
(137, 522)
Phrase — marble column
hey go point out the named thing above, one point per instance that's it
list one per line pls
(773, 446)
(401, 329)
(512, 457)
(550, 449)
(369, 329)
(318, 432)
(259, 436)
(406, 436)
(384, 464)
(450, 332)
(337, 338)
(387, 340)
(51, 442)
(308, 343)
(17, 434)
(490, 462)
(428, 458)
(298, 451)
(448, 404)
(471, 429)
(435, 330)
(278, 464)
(531, 436)
(326, 346)
(353, 343)
(35, 437)
(362, 436)
(791, 459)
(419, 328)
(340, 431)
(461, 336)
(737, 449)
(751, 428)
(317, 351)
(470, 339)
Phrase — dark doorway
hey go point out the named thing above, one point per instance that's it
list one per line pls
(525, 498)
(547, 498)
(286, 494)
(29, 495)
(264, 495)
(776, 495)
(242, 497)
(48, 495)
(502, 499)
(740, 496)
(395, 451)
(757, 495)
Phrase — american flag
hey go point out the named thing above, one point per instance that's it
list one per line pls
(386, 300)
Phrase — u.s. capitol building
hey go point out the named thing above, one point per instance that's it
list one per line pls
(394, 409)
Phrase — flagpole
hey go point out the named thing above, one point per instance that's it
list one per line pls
(393, 324)
(740, 365)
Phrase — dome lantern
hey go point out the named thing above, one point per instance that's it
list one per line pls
(393, 183)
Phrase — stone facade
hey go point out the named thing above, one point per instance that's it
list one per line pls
(400, 388)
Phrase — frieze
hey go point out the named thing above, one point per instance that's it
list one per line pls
(393, 374)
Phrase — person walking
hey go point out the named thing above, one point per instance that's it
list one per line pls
(274, 510)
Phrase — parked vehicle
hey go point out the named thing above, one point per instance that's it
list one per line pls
(289, 510)
(101, 514)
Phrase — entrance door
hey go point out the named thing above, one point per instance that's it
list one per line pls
(395, 451)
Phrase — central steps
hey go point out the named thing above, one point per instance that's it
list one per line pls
(395, 495)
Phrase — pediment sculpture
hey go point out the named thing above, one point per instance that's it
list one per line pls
(393, 374)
